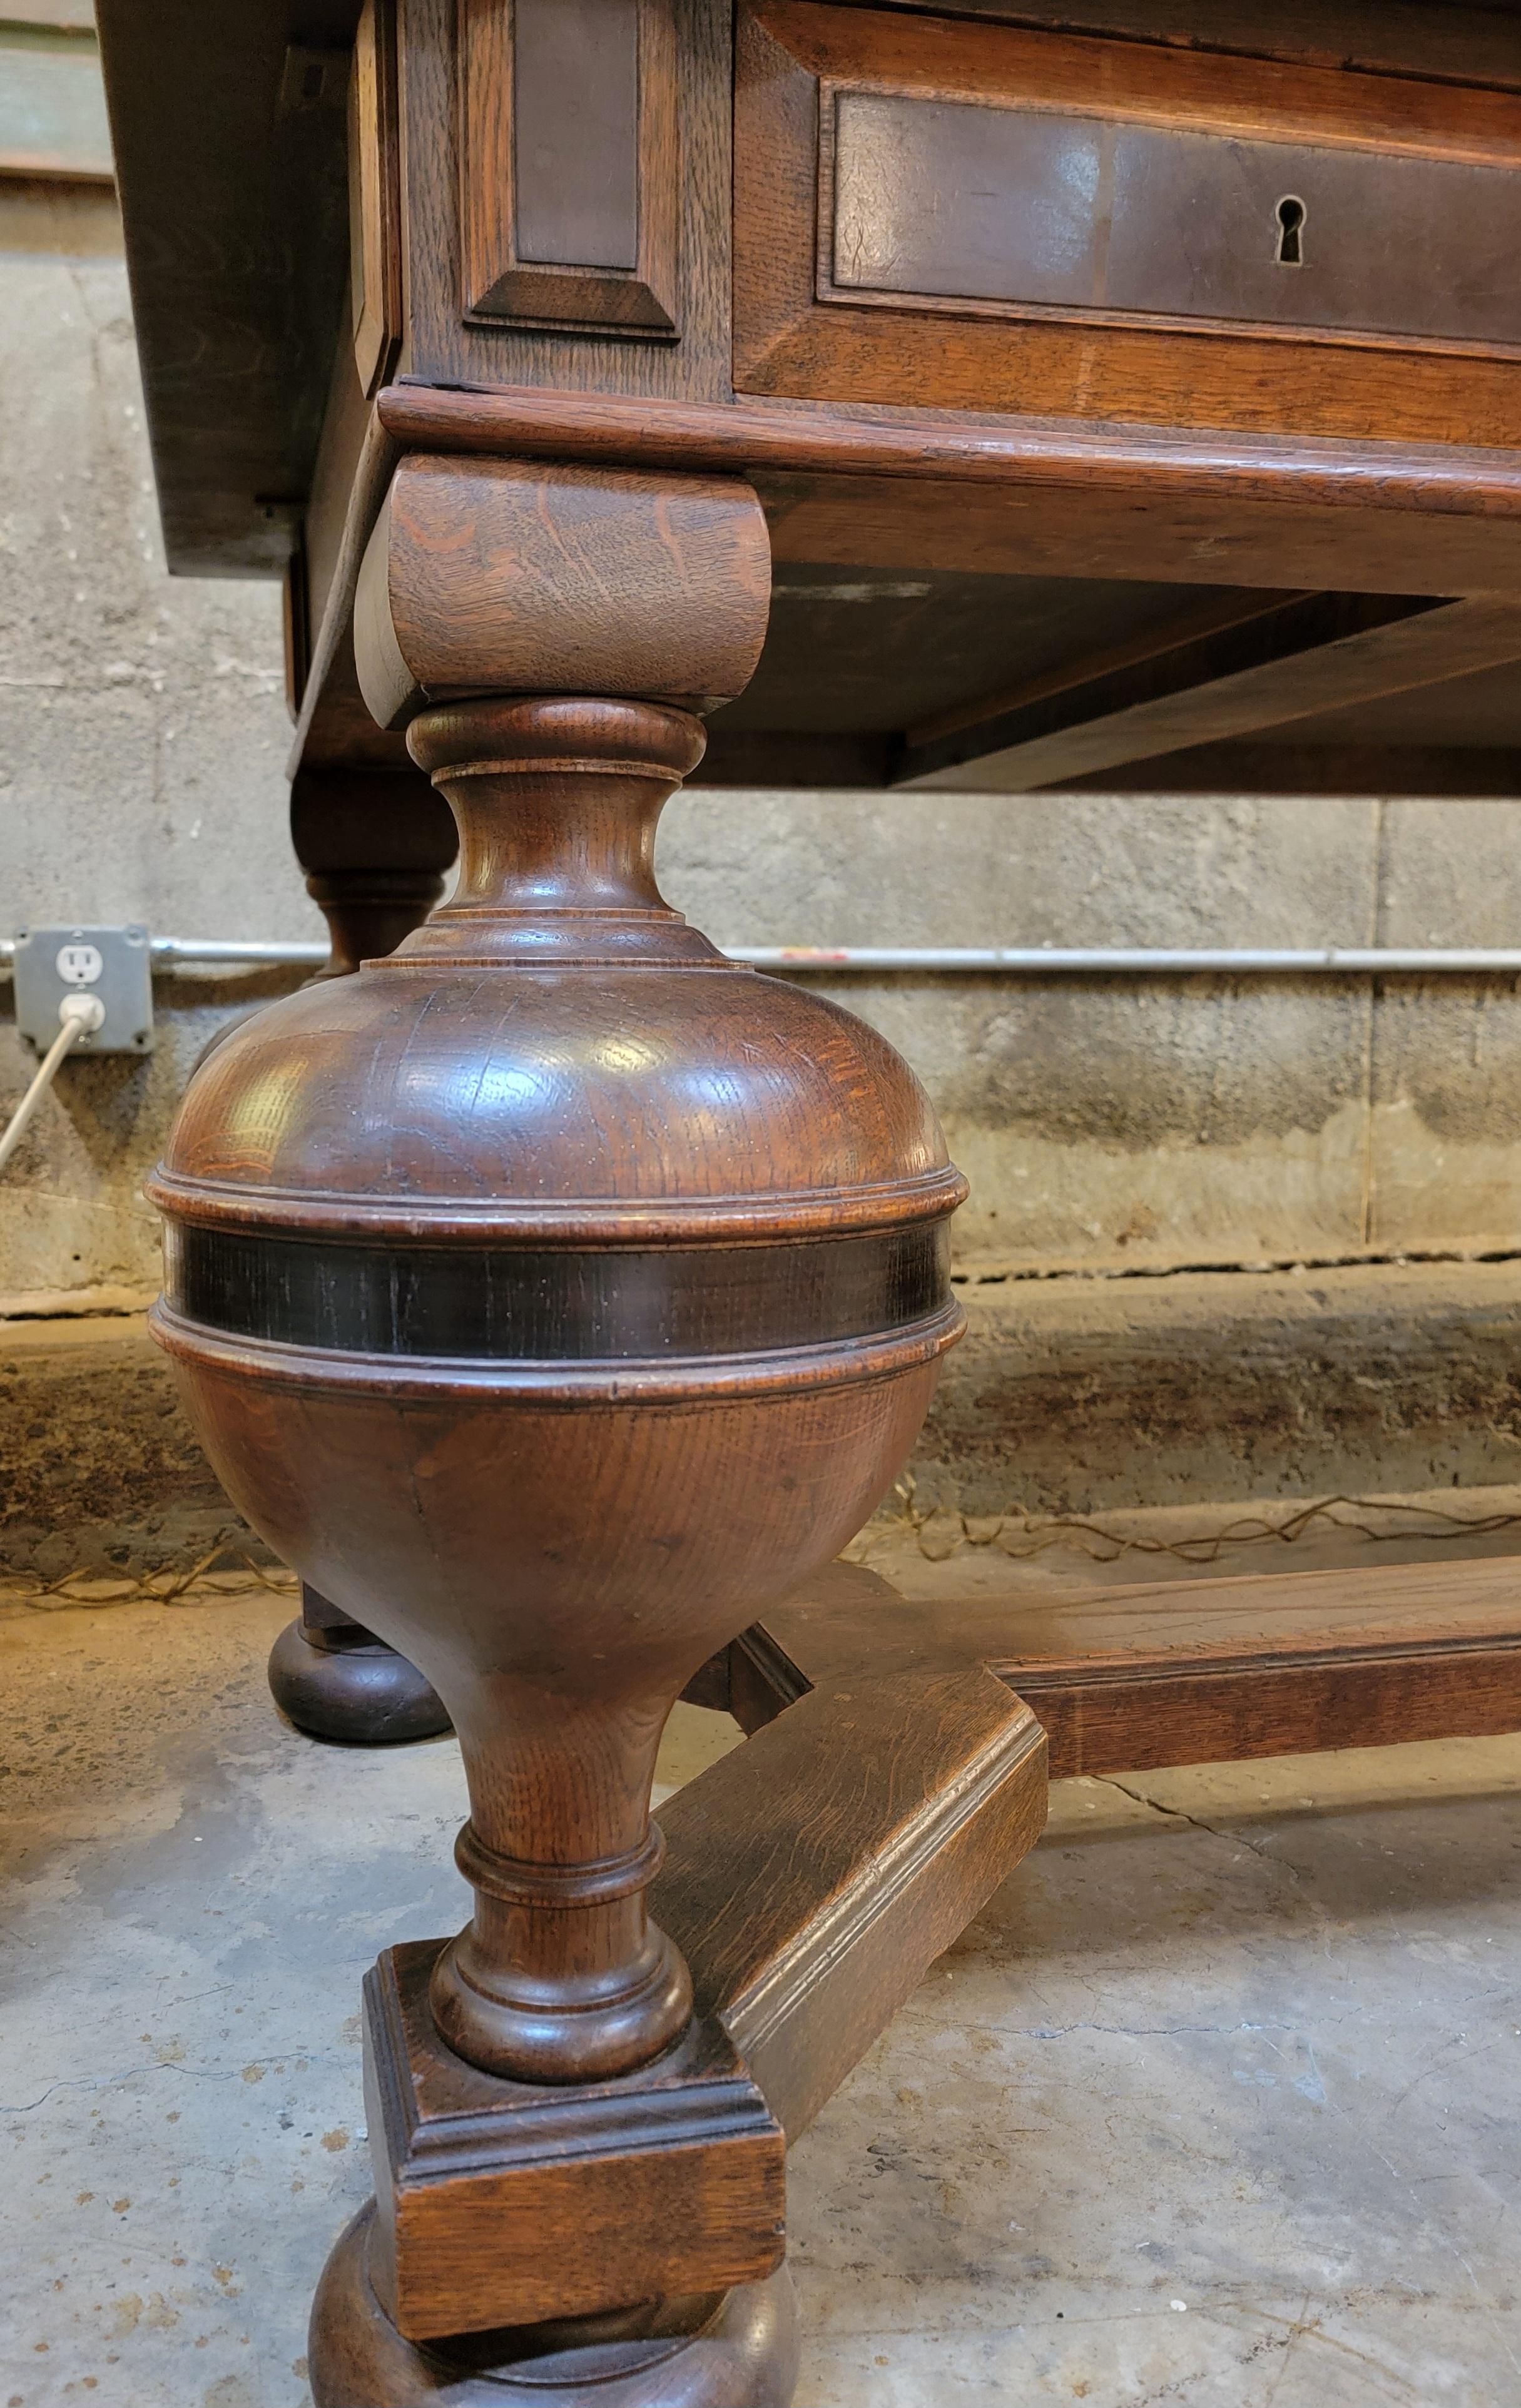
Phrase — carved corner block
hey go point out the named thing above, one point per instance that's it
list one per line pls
(503, 2203)
(570, 165)
(521, 577)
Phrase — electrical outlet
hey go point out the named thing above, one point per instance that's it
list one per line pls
(114, 963)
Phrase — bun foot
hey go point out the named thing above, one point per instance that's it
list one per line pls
(365, 1694)
(735, 2349)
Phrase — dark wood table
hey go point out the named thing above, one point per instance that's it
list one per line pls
(1012, 397)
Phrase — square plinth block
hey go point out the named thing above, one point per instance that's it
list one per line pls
(506, 2203)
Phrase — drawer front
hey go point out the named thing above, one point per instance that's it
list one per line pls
(964, 201)
(970, 214)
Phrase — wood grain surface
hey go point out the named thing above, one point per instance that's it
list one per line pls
(375, 288)
(686, 151)
(793, 55)
(814, 1874)
(503, 2203)
(937, 488)
(1108, 205)
(1184, 1672)
(502, 576)
(737, 2350)
(1441, 40)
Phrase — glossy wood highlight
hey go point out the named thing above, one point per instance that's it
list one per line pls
(1018, 210)
(375, 851)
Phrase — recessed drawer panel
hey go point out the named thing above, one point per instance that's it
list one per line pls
(956, 200)
(965, 214)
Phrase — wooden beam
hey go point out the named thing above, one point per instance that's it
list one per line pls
(1275, 765)
(1469, 44)
(900, 489)
(1189, 1671)
(1299, 656)
(814, 1875)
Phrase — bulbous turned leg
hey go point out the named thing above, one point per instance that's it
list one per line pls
(557, 1294)
(733, 2349)
(375, 848)
(336, 1680)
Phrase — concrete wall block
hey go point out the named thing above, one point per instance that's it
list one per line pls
(1265, 1198)
(1444, 1138)
(139, 708)
(1021, 869)
(103, 1471)
(1100, 1121)
(1073, 1397)
(1450, 873)
(72, 1213)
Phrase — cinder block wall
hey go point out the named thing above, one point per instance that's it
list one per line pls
(1111, 1123)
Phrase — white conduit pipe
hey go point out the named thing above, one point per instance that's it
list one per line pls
(1138, 960)
(1038, 961)
(80, 1017)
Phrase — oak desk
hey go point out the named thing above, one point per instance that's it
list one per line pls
(1012, 397)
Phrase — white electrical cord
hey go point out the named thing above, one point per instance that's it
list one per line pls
(80, 1015)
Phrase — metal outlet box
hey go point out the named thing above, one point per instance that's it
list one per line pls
(116, 965)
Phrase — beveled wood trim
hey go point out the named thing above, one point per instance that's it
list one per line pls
(672, 2177)
(378, 454)
(949, 58)
(674, 1221)
(835, 150)
(814, 1875)
(971, 446)
(373, 197)
(1217, 507)
(719, 1379)
(502, 287)
(1449, 44)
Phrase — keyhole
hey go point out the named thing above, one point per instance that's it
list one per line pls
(1291, 217)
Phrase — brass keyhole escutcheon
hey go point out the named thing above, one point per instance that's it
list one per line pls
(1291, 214)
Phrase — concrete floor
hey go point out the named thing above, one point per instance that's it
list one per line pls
(1214, 2104)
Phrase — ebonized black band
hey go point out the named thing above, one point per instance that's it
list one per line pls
(559, 1304)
